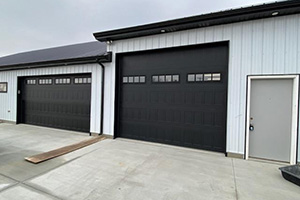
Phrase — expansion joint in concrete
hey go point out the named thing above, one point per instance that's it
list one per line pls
(234, 179)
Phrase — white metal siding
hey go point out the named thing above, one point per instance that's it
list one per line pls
(266, 46)
(8, 101)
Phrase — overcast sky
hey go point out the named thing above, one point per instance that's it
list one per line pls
(36, 24)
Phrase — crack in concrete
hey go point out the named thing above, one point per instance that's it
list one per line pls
(16, 182)
(41, 191)
(234, 178)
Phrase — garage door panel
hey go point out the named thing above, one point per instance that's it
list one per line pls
(65, 106)
(183, 113)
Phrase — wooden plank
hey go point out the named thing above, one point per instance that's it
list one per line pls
(63, 150)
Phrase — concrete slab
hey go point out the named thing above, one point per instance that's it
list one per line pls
(130, 170)
(259, 180)
(24, 193)
(6, 182)
(19, 141)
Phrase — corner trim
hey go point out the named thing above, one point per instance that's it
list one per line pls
(235, 155)
(108, 136)
(8, 122)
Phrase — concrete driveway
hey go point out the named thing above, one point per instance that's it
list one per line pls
(127, 169)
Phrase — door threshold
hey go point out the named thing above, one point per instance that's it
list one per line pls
(270, 161)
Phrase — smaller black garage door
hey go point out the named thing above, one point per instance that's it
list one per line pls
(55, 101)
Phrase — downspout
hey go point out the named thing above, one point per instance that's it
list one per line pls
(102, 97)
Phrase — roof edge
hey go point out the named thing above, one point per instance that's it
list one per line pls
(204, 20)
(107, 57)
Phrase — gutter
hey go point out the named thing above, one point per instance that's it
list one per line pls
(65, 62)
(102, 97)
(100, 62)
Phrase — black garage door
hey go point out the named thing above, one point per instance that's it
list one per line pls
(174, 96)
(55, 101)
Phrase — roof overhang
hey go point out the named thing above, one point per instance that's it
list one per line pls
(107, 57)
(224, 17)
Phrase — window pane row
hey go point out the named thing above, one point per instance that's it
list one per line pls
(45, 81)
(62, 81)
(82, 80)
(204, 77)
(31, 82)
(165, 78)
(48, 81)
(134, 79)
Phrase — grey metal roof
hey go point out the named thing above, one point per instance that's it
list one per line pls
(274, 9)
(63, 53)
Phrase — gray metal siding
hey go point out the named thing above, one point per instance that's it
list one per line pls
(266, 46)
(9, 100)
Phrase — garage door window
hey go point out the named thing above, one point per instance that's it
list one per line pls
(134, 79)
(62, 81)
(165, 78)
(142, 79)
(216, 77)
(191, 78)
(82, 80)
(31, 82)
(161, 79)
(45, 81)
(206, 77)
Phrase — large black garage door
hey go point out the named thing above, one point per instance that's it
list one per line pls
(55, 101)
(174, 96)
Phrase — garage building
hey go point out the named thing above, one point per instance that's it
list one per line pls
(205, 81)
(225, 82)
(57, 87)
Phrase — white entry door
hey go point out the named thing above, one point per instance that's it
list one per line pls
(271, 111)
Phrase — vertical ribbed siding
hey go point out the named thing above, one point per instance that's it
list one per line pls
(9, 100)
(266, 46)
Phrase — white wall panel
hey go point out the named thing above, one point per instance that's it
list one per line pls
(200, 36)
(162, 41)
(8, 101)
(257, 43)
(209, 34)
(279, 45)
(192, 36)
(184, 38)
(218, 33)
(266, 46)
(291, 47)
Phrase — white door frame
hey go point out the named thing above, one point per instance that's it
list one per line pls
(294, 127)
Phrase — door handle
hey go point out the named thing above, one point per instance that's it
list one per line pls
(251, 127)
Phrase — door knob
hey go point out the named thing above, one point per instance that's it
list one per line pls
(251, 127)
